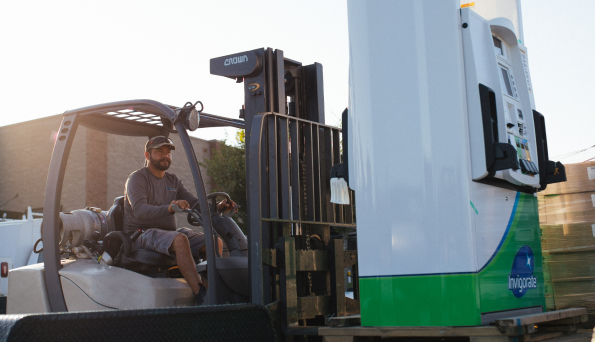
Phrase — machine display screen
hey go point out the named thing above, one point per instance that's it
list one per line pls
(498, 46)
(509, 112)
(506, 80)
(520, 112)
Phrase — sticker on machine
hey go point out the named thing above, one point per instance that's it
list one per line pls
(521, 278)
(591, 172)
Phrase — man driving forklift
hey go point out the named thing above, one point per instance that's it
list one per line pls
(149, 218)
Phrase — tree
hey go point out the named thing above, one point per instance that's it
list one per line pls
(227, 169)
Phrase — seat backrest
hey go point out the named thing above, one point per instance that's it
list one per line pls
(115, 223)
(115, 216)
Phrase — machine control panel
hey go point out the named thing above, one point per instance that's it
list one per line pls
(517, 131)
(501, 123)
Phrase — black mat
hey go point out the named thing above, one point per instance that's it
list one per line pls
(202, 323)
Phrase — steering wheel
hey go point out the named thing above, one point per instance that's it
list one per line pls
(213, 196)
(193, 221)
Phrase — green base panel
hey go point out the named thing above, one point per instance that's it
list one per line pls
(460, 299)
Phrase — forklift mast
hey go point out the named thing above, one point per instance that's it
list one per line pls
(297, 237)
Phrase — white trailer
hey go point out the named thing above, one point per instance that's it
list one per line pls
(17, 238)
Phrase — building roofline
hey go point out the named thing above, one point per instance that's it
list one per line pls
(49, 117)
(33, 120)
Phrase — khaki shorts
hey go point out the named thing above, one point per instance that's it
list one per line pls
(160, 240)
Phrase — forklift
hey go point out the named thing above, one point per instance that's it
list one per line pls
(294, 260)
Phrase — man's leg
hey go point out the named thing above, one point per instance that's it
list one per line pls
(197, 243)
(174, 244)
(181, 248)
(203, 250)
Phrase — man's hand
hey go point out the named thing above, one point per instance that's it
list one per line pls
(181, 203)
(223, 206)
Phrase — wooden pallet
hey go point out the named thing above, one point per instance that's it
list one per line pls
(536, 327)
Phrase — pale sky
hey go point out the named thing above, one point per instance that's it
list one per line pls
(60, 55)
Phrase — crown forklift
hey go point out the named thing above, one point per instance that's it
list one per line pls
(295, 257)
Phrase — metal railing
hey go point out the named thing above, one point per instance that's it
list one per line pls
(289, 164)
(296, 157)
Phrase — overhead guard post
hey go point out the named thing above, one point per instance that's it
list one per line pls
(51, 211)
(206, 217)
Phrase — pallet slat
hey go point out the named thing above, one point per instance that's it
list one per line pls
(410, 331)
(350, 320)
(540, 317)
(522, 328)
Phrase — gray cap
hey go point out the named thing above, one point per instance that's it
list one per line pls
(159, 141)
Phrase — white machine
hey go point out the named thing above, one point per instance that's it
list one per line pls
(446, 152)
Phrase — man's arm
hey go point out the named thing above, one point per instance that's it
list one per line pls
(136, 193)
(186, 195)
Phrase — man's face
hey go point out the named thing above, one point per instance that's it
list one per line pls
(160, 158)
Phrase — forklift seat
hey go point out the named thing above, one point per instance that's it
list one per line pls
(117, 239)
(115, 216)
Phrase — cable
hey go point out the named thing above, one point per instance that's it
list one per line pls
(572, 153)
(35, 247)
(15, 196)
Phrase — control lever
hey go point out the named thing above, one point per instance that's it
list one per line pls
(176, 208)
(136, 234)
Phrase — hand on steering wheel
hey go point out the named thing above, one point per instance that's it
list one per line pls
(181, 203)
(222, 207)
(227, 205)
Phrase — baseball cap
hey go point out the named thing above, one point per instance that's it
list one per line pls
(159, 141)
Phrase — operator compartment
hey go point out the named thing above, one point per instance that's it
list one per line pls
(92, 265)
(87, 275)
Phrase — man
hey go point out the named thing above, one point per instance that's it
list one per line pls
(150, 192)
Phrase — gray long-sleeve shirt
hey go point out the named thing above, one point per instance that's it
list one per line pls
(147, 198)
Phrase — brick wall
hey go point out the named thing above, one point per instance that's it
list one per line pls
(213, 146)
(24, 159)
(26, 150)
(97, 169)
(74, 193)
(125, 154)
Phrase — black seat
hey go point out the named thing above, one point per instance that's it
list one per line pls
(115, 216)
(117, 242)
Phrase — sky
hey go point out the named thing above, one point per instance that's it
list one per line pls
(61, 55)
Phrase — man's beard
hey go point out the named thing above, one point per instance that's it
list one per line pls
(159, 163)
